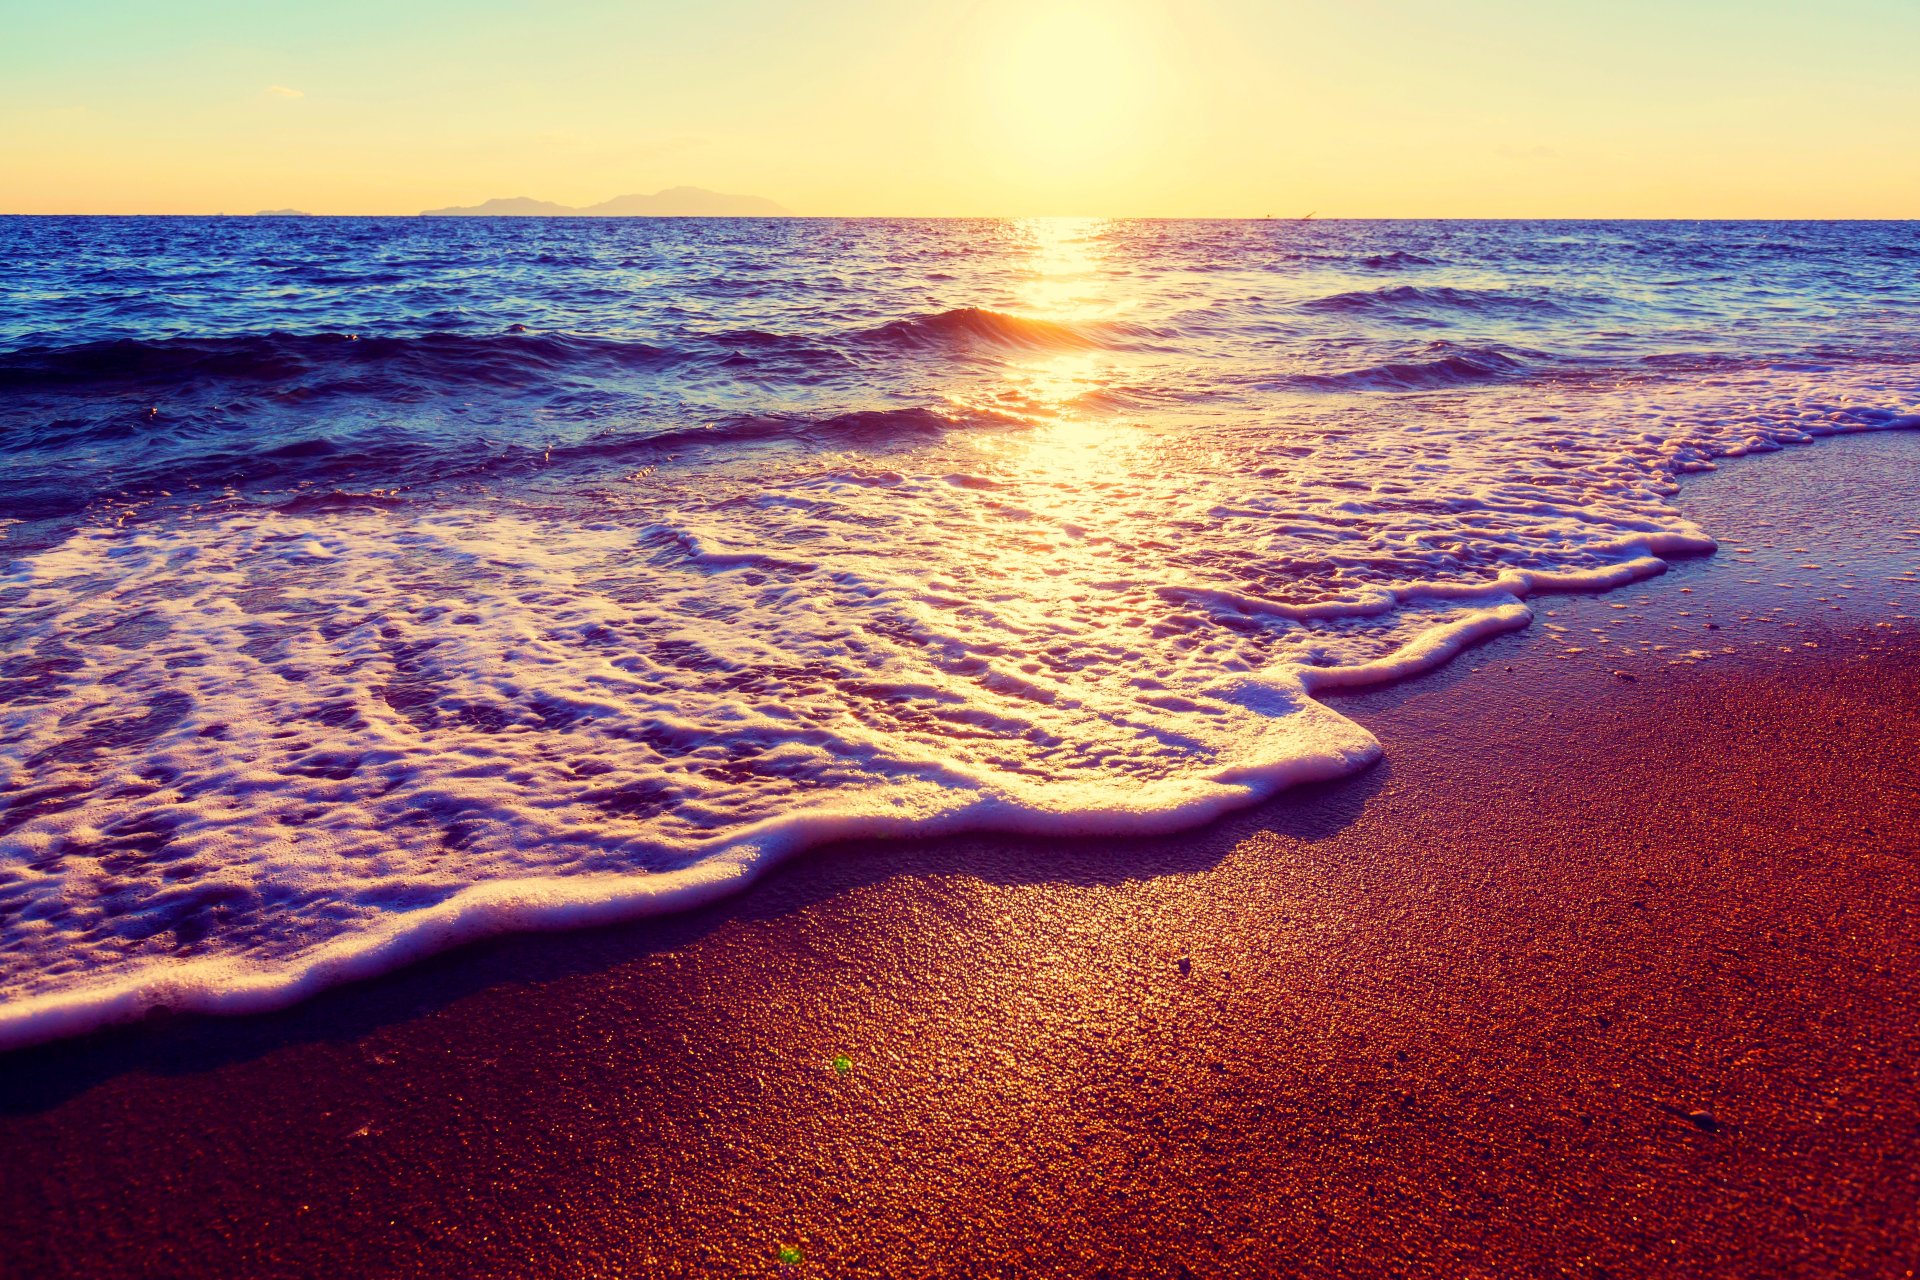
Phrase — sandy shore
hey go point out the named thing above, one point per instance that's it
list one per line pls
(1612, 969)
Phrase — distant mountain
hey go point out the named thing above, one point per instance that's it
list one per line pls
(283, 213)
(675, 202)
(511, 207)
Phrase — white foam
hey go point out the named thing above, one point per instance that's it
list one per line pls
(267, 753)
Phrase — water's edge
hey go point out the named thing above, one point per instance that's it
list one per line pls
(226, 986)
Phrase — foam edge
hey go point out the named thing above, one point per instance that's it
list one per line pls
(546, 904)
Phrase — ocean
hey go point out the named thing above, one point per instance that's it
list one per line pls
(369, 585)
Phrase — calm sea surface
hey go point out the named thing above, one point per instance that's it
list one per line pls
(368, 584)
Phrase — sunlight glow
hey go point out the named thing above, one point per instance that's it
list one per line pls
(994, 108)
(1076, 438)
(1069, 89)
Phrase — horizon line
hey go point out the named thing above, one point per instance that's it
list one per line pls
(1005, 217)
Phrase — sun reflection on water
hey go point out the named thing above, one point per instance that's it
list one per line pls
(1069, 279)
(1063, 280)
(1065, 268)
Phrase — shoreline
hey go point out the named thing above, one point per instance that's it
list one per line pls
(1608, 968)
(230, 987)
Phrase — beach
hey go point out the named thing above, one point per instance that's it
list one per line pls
(1609, 968)
(1131, 641)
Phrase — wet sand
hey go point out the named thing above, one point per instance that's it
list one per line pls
(1611, 969)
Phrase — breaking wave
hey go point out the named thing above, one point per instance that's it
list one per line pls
(974, 326)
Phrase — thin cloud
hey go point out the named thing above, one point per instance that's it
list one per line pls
(281, 91)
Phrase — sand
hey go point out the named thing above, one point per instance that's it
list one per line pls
(1611, 969)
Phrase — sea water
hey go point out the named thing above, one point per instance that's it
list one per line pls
(367, 585)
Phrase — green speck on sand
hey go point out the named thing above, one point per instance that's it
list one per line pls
(842, 1063)
(789, 1256)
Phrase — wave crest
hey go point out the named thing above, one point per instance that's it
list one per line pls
(1394, 261)
(1428, 299)
(977, 326)
(505, 359)
(1450, 366)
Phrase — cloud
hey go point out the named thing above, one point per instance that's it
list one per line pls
(281, 91)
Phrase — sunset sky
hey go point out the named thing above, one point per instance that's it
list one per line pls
(1692, 108)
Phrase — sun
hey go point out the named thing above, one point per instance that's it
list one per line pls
(1069, 88)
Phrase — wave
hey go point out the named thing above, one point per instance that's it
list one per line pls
(1318, 744)
(297, 366)
(1395, 260)
(607, 565)
(1450, 366)
(332, 472)
(434, 671)
(355, 362)
(966, 327)
(319, 470)
(1425, 299)
(869, 426)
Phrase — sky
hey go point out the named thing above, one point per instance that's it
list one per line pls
(1146, 108)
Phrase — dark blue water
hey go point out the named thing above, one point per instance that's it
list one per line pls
(139, 354)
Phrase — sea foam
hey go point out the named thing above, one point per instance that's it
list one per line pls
(264, 752)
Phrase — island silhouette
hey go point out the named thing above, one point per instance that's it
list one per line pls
(674, 202)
